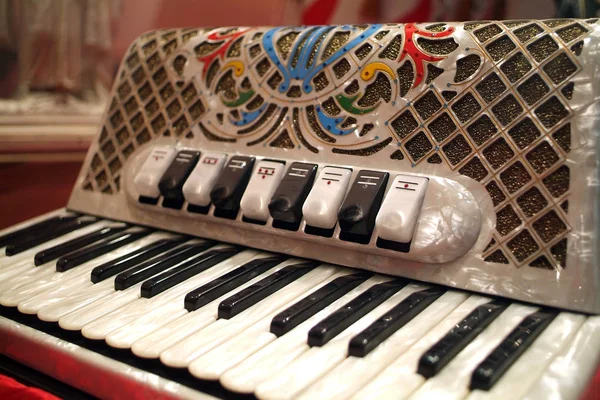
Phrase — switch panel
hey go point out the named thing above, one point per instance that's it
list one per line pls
(400, 209)
(322, 204)
(230, 186)
(286, 204)
(171, 183)
(147, 179)
(262, 185)
(383, 217)
(202, 179)
(357, 215)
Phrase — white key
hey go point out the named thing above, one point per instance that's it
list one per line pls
(453, 381)
(529, 366)
(102, 327)
(147, 179)
(261, 187)
(180, 355)
(197, 187)
(76, 320)
(25, 260)
(400, 378)
(237, 348)
(14, 269)
(325, 198)
(83, 296)
(397, 217)
(18, 271)
(159, 340)
(7, 263)
(56, 287)
(213, 364)
(354, 372)
(162, 315)
(35, 280)
(248, 374)
(573, 368)
(152, 345)
(88, 292)
(316, 362)
(127, 305)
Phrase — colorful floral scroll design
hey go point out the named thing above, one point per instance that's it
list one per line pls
(334, 77)
(216, 37)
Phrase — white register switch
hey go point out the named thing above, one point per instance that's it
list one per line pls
(260, 189)
(147, 179)
(323, 203)
(400, 209)
(197, 187)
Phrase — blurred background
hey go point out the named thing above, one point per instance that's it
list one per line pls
(58, 59)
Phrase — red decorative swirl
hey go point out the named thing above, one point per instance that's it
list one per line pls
(220, 51)
(413, 51)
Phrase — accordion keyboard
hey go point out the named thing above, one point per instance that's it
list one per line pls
(230, 320)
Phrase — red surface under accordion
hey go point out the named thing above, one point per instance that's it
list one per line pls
(13, 390)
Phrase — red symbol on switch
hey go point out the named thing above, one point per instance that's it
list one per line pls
(263, 176)
(406, 185)
(329, 182)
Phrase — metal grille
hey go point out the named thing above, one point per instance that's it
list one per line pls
(504, 120)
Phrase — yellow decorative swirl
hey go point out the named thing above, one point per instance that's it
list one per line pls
(238, 67)
(369, 70)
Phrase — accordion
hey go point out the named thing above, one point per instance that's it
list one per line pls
(454, 165)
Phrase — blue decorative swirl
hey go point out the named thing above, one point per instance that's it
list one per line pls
(267, 42)
(301, 71)
(307, 85)
(330, 123)
(249, 117)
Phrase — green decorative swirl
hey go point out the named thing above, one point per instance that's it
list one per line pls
(242, 98)
(347, 103)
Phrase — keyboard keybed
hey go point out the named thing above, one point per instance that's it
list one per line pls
(280, 327)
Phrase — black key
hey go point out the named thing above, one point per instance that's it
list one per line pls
(24, 233)
(78, 257)
(180, 273)
(118, 265)
(352, 311)
(40, 235)
(357, 215)
(231, 280)
(62, 249)
(287, 201)
(171, 183)
(47, 235)
(490, 370)
(463, 333)
(230, 186)
(152, 267)
(246, 298)
(299, 312)
(366, 341)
